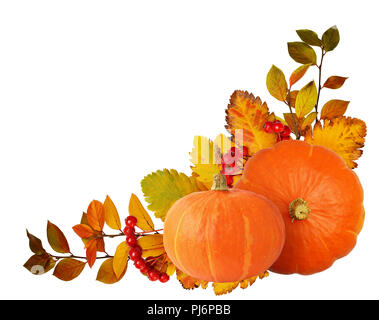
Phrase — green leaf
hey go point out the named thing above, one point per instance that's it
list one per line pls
(277, 84)
(57, 239)
(306, 100)
(330, 38)
(302, 52)
(310, 37)
(35, 244)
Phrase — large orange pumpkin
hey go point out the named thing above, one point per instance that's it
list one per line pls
(222, 235)
(320, 198)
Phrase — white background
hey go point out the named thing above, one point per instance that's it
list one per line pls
(94, 95)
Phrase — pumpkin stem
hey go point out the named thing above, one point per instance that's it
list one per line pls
(219, 182)
(299, 210)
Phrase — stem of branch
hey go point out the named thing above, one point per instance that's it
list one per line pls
(319, 81)
(292, 115)
(72, 256)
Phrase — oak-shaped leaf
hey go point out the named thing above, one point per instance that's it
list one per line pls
(40, 264)
(330, 38)
(306, 99)
(310, 37)
(188, 282)
(343, 135)
(247, 113)
(299, 73)
(334, 82)
(163, 187)
(151, 245)
(106, 273)
(276, 83)
(136, 209)
(302, 53)
(112, 218)
(57, 239)
(334, 108)
(120, 259)
(68, 269)
(35, 244)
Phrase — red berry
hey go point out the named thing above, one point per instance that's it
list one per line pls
(278, 138)
(245, 151)
(164, 277)
(145, 269)
(131, 221)
(135, 253)
(278, 127)
(286, 131)
(128, 230)
(153, 275)
(229, 181)
(268, 127)
(286, 138)
(131, 240)
(140, 263)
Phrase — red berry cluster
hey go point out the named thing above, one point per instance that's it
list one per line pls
(279, 128)
(145, 266)
(229, 161)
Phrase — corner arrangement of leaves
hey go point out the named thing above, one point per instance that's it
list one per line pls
(249, 120)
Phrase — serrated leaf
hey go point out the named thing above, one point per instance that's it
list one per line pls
(163, 187)
(188, 282)
(330, 38)
(137, 210)
(112, 218)
(306, 99)
(302, 53)
(68, 269)
(106, 274)
(57, 239)
(151, 245)
(310, 37)
(225, 287)
(334, 82)
(96, 215)
(333, 109)
(345, 136)
(247, 113)
(299, 73)
(120, 259)
(35, 244)
(276, 83)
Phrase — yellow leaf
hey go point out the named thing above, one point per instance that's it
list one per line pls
(247, 113)
(170, 269)
(188, 282)
(163, 187)
(308, 120)
(106, 274)
(306, 99)
(225, 287)
(248, 282)
(112, 217)
(333, 109)
(345, 136)
(299, 73)
(137, 210)
(120, 259)
(152, 245)
(277, 84)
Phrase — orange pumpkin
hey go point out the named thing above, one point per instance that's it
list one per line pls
(223, 235)
(319, 197)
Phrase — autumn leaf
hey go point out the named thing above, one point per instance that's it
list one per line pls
(333, 109)
(68, 269)
(334, 82)
(310, 37)
(306, 99)
(106, 274)
(188, 282)
(276, 83)
(163, 187)
(137, 210)
(151, 245)
(292, 98)
(120, 259)
(308, 120)
(40, 263)
(225, 287)
(91, 252)
(298, 74)
(247, 113)
(96, 215)
(112, 217)
(57, 239)
(345, 136)
(290, 121)
(170, 269)
(330, 38)
(35, 244)
(83, 231)
(302, 53)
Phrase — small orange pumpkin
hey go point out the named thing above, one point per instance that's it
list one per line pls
(320, 198)
(223, 235)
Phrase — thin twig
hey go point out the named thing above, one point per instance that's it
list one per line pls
(319, 81)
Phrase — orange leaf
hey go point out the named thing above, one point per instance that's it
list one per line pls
(188, 282)
(293, 96)
(57, 239)
(68, 269)
(106, 274)
(100, 245)
(334, 82)
(299, 73)
(137, 210)
(333, 109)
(112, 217)
(96, 215)
(247, 113)
(308, 120)
(91, 252)
(83, 231)
(120, 260)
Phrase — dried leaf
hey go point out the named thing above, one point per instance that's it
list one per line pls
(106, 274)
(96, 215)
(333, 109)
(345, 136)
(298, 74)
(39, 264)
(163, 187)
(83, 231)
(334, 82)
(330, 38)
(152, 245)
(57, 239)
(120, 259)
(306, 99)
(293, 96)
(247, 113)
(91, 252)
(137, 210)
(302, 53)
(188, 282)
(68, 269)
(112, 217)
(277, 84)
(35, 244)
(308, 120)
(310, 37)
(225, 287)
(289, 119)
